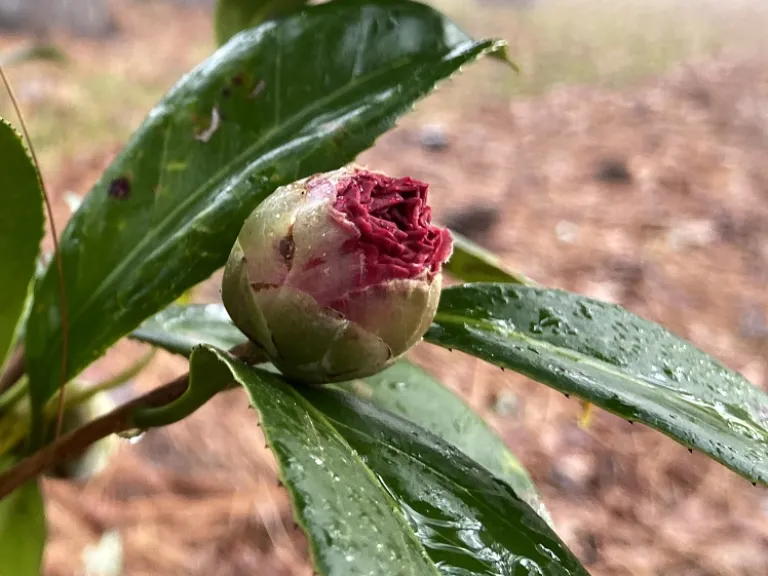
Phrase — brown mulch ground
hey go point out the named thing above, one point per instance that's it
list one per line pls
(654, 197)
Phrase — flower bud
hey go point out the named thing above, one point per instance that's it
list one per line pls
(337, 275)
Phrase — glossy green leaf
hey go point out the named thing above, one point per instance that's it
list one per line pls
(276, 103)
(22, 530)
(472, 263)
(408, 391)
(21, 230)
(615, 360)
(402, 389)
(179, 329)
(233, 16)
(373, 491)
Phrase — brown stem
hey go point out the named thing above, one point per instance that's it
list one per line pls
(14, 369)
(75, 443)
(119, 420)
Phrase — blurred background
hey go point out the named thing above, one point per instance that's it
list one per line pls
(628, 160)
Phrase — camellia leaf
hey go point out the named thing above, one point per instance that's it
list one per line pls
(278, 102)
(473, 263)
(22, 529)
(21, 230)
(233, 16)
(615, 360)
(179, 329)
(376, 494)
(408, 391)
(402, 389)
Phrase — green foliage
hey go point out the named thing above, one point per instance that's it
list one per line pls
(377, 495)
(402, 389)
(166, 212)
(414, 395)
(21, 230)
(614, 359)
(233, 16)
(388, 474)
(473, 263)
(179, 329)
(22, 529)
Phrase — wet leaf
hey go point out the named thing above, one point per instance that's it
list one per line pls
(179, 329)
(615, 360)
(403, 389)
(21, 230)
(409, 392)
(233, 16)
(22, 529)
(473, 263)
(279, 102)
(376, 494)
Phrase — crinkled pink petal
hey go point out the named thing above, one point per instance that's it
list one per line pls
(393, 221)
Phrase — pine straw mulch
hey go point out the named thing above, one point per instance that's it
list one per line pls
(679, 235)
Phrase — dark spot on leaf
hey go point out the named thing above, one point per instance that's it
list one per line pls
(120, 188)
(238, 79)
(287, 247)
(226, 91)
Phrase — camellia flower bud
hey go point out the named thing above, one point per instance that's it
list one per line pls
(337, 275)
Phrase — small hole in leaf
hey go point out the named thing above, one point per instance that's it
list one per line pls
(257, 89)
(120, 188)
(206, 134)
